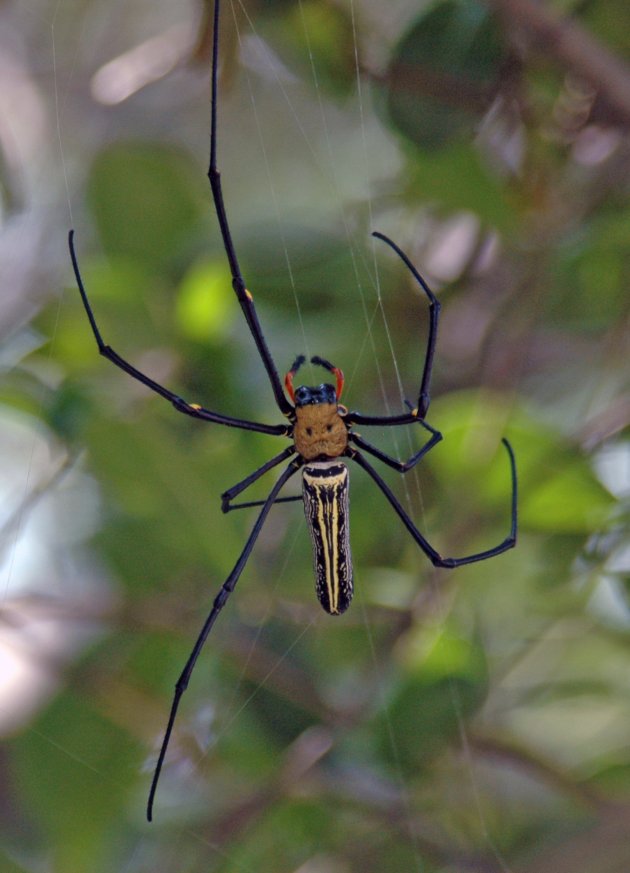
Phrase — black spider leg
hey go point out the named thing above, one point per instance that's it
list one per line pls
(400, 466)
(424, 395)
(244, 296)
(228, 496)
(219, 602)
(250, 503)
(436, 559)
(180, 405)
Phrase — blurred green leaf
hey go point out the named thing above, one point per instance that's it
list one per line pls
(590, 292)
(206, 305)
(610, 21)
(444, 72)
(531, 646)
(78, 793)
(316, 39)
(10, 865)
(445, 683)
(477, 191)
(125, 296)
(147, 200)
(559, 491)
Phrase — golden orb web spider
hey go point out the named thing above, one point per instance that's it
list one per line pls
(321, 435)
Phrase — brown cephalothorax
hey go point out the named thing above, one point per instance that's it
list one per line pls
(320, 431)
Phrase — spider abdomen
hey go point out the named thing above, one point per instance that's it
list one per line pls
(326, 507)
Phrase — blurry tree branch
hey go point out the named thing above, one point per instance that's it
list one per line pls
(573, 46)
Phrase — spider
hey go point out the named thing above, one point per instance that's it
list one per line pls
(321, 434)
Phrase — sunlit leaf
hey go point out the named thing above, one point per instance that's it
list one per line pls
(559, 491)
(206, 305)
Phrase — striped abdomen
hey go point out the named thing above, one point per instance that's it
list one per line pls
(325, 492)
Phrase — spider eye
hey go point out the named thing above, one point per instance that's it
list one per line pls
(309, 431)
(329, 427)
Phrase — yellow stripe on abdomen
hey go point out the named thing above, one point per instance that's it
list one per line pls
(326, 507)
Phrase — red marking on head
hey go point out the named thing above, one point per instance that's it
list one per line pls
(340, 380)
(288, 384)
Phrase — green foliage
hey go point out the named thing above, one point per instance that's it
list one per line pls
(444, 71)
(477, 191)
(316, 35)
(95, 758)
(444, 683)
(448, 717)
(550, 475)
(146, 202)
(206, 304)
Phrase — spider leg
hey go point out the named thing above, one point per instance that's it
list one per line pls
(400, 466)
(434, 556)
(192, 409)
(219, 602)
(244, 296)
(235, 490)
(250, 503)
(383, 420)
(424, 395)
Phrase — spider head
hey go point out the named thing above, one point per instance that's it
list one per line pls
(307, 395)
(320, 431)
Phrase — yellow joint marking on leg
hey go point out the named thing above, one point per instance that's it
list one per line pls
(194, 406)
(414, 412)
(249, 294)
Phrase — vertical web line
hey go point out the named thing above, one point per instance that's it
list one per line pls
(400, 776)
(336, 186)
(62, 156)
(31, 495)
(467, 753)
(18, 518)
(391, 737)
(461, 723)
(368, 314)
(272, 189)
(380, 309)
(377, 282)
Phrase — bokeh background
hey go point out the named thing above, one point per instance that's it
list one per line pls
(473, 720)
